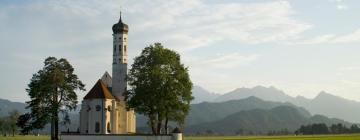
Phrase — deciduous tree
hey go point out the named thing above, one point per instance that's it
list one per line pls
(52, 91)
(160, 87)
(13, 116)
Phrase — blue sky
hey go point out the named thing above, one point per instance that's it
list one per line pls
(300, 46)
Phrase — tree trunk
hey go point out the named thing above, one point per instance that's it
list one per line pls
(158, 127)
(159, 120)
(55, 112)
(153, 128)
(52, 129)
(152, 123)
(166, 125)
(56, 127)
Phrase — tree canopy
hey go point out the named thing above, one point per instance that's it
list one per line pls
(160, 87)
(8, 123)
(51, 91)
(321, 128)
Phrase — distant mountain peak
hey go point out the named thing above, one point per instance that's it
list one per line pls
(252, 98)
(264, 87)
(301, 97)
(323, 103)
(324, 94)
(202, 95)
(265, 93)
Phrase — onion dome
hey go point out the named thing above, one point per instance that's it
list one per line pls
(120, 27)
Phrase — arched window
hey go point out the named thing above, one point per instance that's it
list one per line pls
(108, 127)
(97, 127)
(124, 48)
(109, 108)
(98, 107)
(88, 108)
(120, 48)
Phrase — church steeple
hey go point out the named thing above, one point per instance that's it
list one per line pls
(120, 21)
(120, 51)
(120, 27)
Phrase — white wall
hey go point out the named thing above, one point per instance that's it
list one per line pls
(89, 118)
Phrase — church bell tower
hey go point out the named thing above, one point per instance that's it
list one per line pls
(120, 58)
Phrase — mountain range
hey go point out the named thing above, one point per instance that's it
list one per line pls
(261, 121)
(7, 106)
(246, 115)
(322, 104)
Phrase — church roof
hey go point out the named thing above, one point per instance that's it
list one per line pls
(99, 91)
(107, 80)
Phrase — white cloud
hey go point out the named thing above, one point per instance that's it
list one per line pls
(328, 39)
(192, 24)
(340, 4)
(349, 68)
(230, 61)
(81, 31)
(351, 83)
(342, 7)
(352, 37)
(184, 25)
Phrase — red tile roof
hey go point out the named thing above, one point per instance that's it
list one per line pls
(99, 91)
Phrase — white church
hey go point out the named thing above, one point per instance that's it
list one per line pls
(103, 109)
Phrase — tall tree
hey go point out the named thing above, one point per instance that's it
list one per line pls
(13, 116)
(2, 124)
(24, 122)
(160, 87)
(52, 91)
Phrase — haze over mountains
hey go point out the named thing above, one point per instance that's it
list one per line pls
(261, 121)
(246, 116)
(201, 95)
(324, 104)
(6, 106)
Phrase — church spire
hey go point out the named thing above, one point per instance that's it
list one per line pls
(120, 21)
(120, 27)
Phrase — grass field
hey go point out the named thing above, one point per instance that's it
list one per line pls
(25, 138)
(316, 137)
(324, 137)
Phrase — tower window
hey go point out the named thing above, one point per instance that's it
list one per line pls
(124, 48)
(97, 127)
(114, 48)
(119, 48)
(98, 107)
(109, 108)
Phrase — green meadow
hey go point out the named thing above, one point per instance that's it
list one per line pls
(25, 138)
(315, 137)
